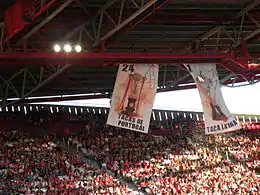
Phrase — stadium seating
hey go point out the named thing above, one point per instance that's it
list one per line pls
(35, 158)
(37, 165)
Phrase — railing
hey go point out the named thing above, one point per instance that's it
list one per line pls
(159, 117)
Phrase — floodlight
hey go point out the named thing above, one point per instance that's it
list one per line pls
(67, 48)
(78, 48)
(57, 48)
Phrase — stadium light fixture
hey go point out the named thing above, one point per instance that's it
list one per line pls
(67, 48)
(78, 48)
(57, 48)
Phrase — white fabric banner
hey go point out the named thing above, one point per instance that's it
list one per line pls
(133, 96)
(217, 116)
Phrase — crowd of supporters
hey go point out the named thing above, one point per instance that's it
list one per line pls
(245, 148)
(157, 164)
(37, 165)
(162, 166)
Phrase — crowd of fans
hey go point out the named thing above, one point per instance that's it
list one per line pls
(245, 148)
(37, 165)
(157, 164)
(161, 165)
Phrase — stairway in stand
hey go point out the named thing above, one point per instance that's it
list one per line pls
(97, 165)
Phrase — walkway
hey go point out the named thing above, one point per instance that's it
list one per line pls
(95, 164)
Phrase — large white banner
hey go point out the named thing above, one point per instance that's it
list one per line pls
(133, 96)
(217, 116)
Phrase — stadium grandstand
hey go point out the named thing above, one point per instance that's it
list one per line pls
(127, 51)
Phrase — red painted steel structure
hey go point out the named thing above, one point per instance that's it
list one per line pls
(15, 22)
(224, 46)
(107, 56)
(81, 58)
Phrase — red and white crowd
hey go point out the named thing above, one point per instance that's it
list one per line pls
(163, 167)
(35, 165)
(156, 164)
(244, 148)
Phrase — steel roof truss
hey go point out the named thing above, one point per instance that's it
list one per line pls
(26, 77)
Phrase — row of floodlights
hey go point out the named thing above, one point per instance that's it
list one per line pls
(67, 48)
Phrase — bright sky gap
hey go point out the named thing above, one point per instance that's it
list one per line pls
(239, 100)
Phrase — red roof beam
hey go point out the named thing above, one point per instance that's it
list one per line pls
(106, 56)
(85, 58)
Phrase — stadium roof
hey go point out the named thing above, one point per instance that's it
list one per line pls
(168, 32)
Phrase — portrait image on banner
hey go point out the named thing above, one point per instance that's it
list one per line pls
(217, 116)
(133, 96)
